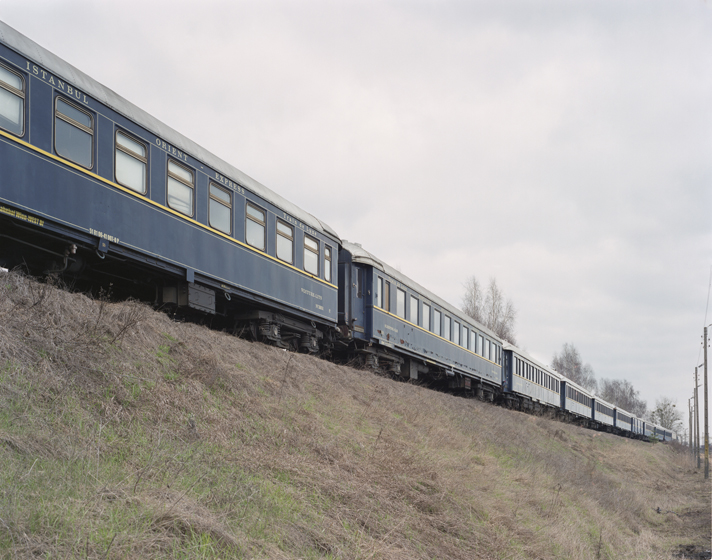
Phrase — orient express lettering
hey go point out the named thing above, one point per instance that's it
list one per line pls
(171, 149)
(229, 183)
(58, 84)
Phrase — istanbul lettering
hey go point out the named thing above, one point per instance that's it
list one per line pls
(56, 82)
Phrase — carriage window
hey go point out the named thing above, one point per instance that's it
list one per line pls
(480, 344)
(487, 348)
(414, 310)
(378, 289)
(446, 328)
(255, 227)
(180, 188)
(131, 163)
(464, 337)
(220, 212)
(285, 242)
(74, 134)
(400, 303)
(436, 322)
(473, 341)
(12, 101)
(387, 297)
(327, 263)
(456, 333)
(426, 316)
(311, 255)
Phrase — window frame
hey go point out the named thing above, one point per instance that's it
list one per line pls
(317, 252)
(128, 152)
(69, 120)
(447, 327)
(228, 205)
(262, 224)
(285, 236)
(18, 93)
(413, 320)
(437, 325)
(327, 262)
(182, 181)
(400, 291)
(426, 316)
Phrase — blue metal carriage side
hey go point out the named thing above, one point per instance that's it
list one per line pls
(577, 401)
(398, 325)
(528, 384)
(624, 421)
(91, 182)
(603, 413)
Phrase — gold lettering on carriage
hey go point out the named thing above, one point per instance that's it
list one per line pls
(171, 150)
(229, 183)
(103, 235)
(300, 225)
(57, 83)
(21, 216)
(312, 294)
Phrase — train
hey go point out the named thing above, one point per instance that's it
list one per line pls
(95, 189)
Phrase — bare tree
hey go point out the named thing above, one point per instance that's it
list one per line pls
(665, 414)
(569, 364)
(490, 308)
(621, 393)
(472, 300)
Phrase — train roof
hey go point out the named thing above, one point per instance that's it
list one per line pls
(548, 369)
(624, 411)
(34, 52)
(601, 401)
(360, 255)
(578, 387)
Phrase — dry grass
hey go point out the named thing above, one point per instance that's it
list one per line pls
(126, 435)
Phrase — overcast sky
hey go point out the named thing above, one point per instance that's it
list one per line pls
(563, 148)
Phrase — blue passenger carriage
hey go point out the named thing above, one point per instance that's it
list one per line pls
(624, 421)
(528, 384)
(603, 414)
(396, 324)
(91, 185)
(576, 401)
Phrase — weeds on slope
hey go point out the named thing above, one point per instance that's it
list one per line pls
(126, 435)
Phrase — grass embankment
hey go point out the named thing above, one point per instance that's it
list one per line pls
(126, 435)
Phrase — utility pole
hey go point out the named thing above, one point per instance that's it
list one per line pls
(689, 433)
(697, 424)
(707, 436)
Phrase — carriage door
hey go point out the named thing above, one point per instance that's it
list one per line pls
(358, 291)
